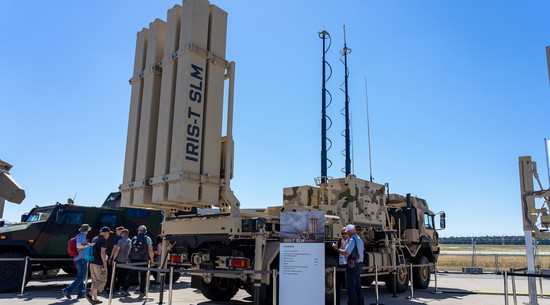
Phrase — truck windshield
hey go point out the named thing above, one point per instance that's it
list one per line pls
(39, 215)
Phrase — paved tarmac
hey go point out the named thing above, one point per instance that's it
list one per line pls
(455, 288)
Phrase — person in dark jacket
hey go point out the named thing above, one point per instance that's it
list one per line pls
(141, 251)
(98, 267)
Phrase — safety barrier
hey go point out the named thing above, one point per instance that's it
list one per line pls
(393, 269)
(148, 269)
(513, 274)
(170, 271)
(497, 257)
(27, 259)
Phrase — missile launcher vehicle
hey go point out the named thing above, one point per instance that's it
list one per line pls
(178, 158)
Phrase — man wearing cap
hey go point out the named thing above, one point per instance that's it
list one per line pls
(120, 256)
(98, 267)
(354, 252)
(118, 231)
(80, 263)
(141, 250)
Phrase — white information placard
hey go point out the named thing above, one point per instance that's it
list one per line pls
(302, 258)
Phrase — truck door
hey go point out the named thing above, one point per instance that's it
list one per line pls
(111, 219)
(64, 225)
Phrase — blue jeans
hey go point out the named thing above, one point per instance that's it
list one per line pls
(78, 283)
(353, 280)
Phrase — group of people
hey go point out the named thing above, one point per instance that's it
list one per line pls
(139, 249)
(350, 249)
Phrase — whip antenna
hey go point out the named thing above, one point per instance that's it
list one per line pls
(368, 128)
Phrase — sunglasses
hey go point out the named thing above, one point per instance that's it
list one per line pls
(344, 233)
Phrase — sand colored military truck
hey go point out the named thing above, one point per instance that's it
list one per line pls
(178, 158)
(44, 232)
(396, 230)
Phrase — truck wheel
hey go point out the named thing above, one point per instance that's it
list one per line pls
(330, 263)
(367, 280)
(41, 275)
(69, 270)
(249, 289)
(219, 289)
(399, 218)
(11, 272)
(401, 280)
(265, 298)
(421, 275)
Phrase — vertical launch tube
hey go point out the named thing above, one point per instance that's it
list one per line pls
(166, 106)
(189, 106)
(129, 173)
(145, 161)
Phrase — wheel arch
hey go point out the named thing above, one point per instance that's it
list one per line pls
(22, 248)
(425, 250)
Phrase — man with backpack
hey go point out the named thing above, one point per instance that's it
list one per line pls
(354, 254)
(141, 250)
(98, 266)
(81, 264)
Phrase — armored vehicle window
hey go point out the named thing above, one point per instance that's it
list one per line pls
(39, 215)
(138, 213)
(107, 220)
(428, 221)
(72, 218)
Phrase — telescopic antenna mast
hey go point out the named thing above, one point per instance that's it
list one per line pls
(368, 128)
(347, 151)
(326, 144)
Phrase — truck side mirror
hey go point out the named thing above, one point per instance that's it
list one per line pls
(442, 220)
(1, 223)
(24, 217)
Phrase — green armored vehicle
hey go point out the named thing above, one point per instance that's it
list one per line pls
(44, 232)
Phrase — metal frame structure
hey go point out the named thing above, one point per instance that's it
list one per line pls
(531, 215)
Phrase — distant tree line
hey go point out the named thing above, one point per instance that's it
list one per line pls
(490, 240)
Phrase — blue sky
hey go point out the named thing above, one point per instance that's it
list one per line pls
(457, 91)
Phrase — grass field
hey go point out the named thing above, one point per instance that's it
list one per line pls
(488, 262)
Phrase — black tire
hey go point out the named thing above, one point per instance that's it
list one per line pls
(220, 289)
(41, 275)
(401, 280)
(330, 263)
(70, 270)
(266, 297)
(249, 289)
(399, 218)
(175, 277)
(11, 272)
(367, 280)
(421, 275)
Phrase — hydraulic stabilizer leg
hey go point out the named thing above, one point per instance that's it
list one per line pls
(258, 264)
